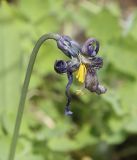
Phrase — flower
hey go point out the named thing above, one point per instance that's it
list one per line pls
(83, 61)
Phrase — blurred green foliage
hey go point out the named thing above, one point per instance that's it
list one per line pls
(99, 123)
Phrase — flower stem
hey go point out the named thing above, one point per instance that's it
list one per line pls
(25, 89)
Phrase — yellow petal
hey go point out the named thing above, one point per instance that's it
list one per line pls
(78, 72)
(81, 77)
(81, 73)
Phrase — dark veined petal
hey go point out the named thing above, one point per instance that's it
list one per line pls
(92, 83)
(60, 66)
(97, 62)
(90, 47)
(68, 46)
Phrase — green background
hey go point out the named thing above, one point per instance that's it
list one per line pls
(102, 127)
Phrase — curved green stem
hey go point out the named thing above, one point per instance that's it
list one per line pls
(25, 89)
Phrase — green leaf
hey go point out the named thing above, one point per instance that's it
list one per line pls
(104, 25)
(128, 94)
(62, 144)
(133, 28)
(33, 9)
(112, 98)
(122, 56)
(10, 72)
(6, 12)
(113, 139)
(4, 147)
(84, 138)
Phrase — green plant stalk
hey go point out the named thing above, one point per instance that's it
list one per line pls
(25, 89)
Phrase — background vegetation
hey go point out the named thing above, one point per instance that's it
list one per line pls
(102, 127)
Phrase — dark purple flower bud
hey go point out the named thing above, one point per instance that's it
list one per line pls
(90, 47)
(68, 46)
(60, 66)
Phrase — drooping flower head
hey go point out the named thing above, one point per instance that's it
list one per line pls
(83, 61)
